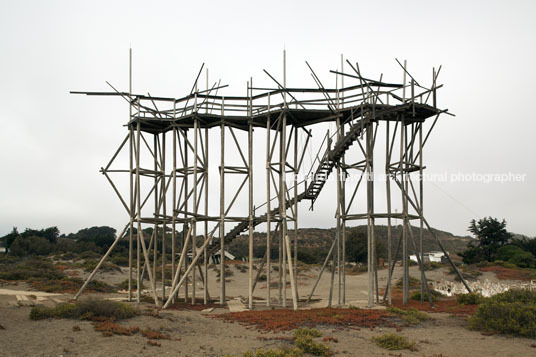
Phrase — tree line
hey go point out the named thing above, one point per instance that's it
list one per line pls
(493, 242)
(48, 240)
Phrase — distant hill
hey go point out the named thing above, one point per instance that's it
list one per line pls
(317, 241)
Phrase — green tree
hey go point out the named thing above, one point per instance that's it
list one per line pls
(513, 254)
(32, 245)
(526, 243)
(102, 236)
(357, 250)
(490, 234)
(10, 238)
(50, 233)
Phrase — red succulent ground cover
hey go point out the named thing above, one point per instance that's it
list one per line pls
(110, 328)
(285, 319)
(445, 304)
(504, 273)
(235, 262)
(66, 286)
(154, 335)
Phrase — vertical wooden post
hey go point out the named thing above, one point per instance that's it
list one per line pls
(282, 205)
(405, 252)
(338, 219)
(282, 183)
(174, 200)
(194, 208)
(138, 213)
(388, 195)
(205, 257)
(164, 212)
(205, 161)
(131, 160)
(268, 205)
(185, 226)
(156, 206)
(343, 197)
(250, 195)
(222, 206)
(402, 166)
(152, 280)
(296, 204)
(421, 214)
(370, 220)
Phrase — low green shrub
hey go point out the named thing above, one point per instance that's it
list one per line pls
(307, 345)
(413, 282)
(411, 316)
(67, 311)
(119, 260)
(512, 312)
(105, 308)
(6, 260)
(26, 269)
(516, 256)
(241, 268)
(358, 268)
(227, 273)
(469, 299)
(68, 256)
(468, 272)
(124, 285)
(483, 264)
(391, 341)
(432, 265)
(89, 254)
(412, 263)
(416, 295)
(85, 309)
(89, 265)
(311, 332)
(294, 352)
(516, 295)
(504, 264)
(70, 284)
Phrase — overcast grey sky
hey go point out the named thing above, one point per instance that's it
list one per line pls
(53, 143)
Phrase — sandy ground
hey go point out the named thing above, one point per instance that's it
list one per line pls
(195, 333)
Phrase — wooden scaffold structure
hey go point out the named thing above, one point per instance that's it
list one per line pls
(168, 150)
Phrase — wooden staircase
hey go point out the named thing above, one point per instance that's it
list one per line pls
(330, 158)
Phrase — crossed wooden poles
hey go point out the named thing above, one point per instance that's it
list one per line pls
(180, 193)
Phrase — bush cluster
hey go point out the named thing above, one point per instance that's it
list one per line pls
(416, 295)
(512, 312)
(391, 341)
(516, 256)
(411, 316)
(469, 299)
(36, 268)
(303, 342)
(86, 309)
